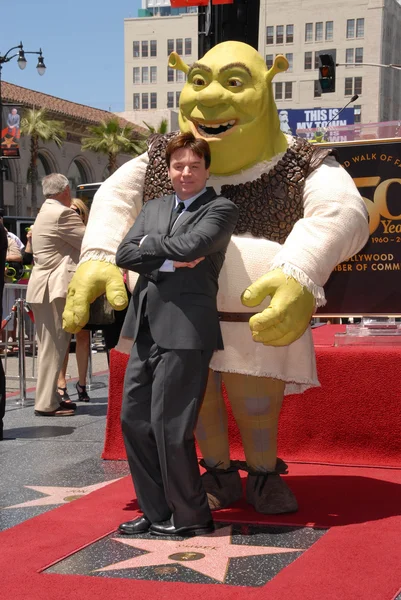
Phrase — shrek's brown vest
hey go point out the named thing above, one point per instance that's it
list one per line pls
(269, 206)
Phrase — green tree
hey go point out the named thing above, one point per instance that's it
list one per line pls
(37, 124)
(112, 139)
(161, 128)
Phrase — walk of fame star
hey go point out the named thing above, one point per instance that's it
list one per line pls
(209, 554)
(60, 495)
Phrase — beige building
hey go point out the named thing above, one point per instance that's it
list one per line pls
(148, 41)
(359, 31)
(78, 166)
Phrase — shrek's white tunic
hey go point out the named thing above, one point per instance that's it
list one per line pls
(334, 227)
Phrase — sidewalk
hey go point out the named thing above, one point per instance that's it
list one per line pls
(45, 462)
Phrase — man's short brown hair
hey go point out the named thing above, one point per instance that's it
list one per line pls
(199, 146)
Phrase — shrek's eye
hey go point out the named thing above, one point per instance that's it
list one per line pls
(198, 80)
(234, 82)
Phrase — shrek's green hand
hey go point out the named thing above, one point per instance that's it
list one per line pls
(92, 279)
(289, 313)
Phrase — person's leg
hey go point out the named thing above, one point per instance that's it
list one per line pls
(61, 381)
(53, 342)
(139, 439)
(2, 398)
(82, 355)
(179, 383)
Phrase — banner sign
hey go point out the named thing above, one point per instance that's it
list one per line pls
(313, 118)
(369, 283)
(10, 132)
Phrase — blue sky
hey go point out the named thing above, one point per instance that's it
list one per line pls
(82, 43)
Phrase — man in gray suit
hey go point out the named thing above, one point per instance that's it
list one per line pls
(56, 241)
(177, 245)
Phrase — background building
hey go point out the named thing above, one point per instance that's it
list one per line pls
(358, 31)
(148, 41)
(78, 166)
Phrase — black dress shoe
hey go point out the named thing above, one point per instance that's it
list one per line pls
(139, 525)
(166, 528)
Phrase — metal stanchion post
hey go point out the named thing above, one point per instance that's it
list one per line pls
(90, 366)
(21, 351)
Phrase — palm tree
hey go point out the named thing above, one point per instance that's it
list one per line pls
(161, 128)
(112, 139)
(36, 123)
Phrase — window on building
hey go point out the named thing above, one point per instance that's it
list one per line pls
(349, 55)
(348, 86)
(360, 28)
(317, 60)
(357, 114)
(178, 46)
(177, 99)
(290, 58)
(170, 74)
(179, 76)
(329, 30)
(288, 90)
(170, 47)
(308, 61)
(145, 74)
(153, 74)
(317, 92)
(279, 91)
(136, 102)
(136, 76)
(170, 99)
(269, 35)
(280, 34)
(153, 100)
(145, 101)
(145, 48)
(359, 55)
(188, 46)
(269, 60)
(153, 47)
(350, 28)
(308, 32)
(135, 49)
(358, 85)
(289, 34)
(319, 31)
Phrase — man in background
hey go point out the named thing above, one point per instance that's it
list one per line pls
(56, 242)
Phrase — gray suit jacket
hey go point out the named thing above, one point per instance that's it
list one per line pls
(181, 306)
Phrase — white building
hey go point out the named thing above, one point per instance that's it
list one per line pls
(148, 41)
(360, 31)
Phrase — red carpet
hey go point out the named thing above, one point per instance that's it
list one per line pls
(353, 419)
(358, 558)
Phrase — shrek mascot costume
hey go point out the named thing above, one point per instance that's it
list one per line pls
(300, 216)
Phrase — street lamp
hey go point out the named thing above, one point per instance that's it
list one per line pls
(41, 68)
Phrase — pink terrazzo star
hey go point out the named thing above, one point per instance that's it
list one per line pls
(209, 554)
(60, 495)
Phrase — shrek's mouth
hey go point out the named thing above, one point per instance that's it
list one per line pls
(213, 129)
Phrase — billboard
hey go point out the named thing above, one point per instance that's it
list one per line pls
(10, 131)
(368, 284)
(292, 120)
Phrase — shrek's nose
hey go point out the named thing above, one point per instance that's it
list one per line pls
(213, 94)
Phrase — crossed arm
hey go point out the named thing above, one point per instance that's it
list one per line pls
(211, 234)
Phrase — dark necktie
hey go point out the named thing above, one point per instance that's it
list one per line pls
(176, 212)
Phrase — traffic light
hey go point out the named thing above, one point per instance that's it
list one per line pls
(327, 73)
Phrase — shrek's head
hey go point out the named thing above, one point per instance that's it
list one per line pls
(228, 100)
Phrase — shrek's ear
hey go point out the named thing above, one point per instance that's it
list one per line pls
(175, 62)
(280, 65)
